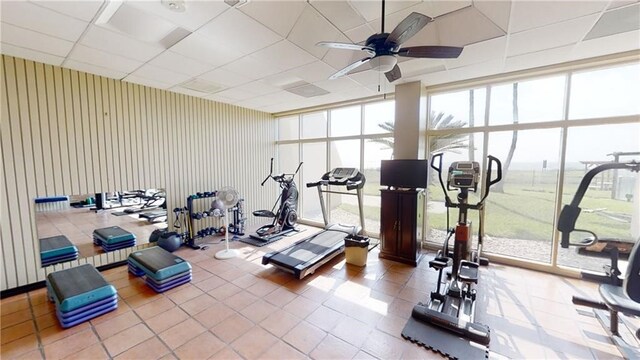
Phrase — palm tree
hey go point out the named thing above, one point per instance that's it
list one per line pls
(439, 121)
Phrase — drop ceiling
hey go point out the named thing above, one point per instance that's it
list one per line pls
(262, 54)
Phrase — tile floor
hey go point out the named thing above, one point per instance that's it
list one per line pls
(238, 308)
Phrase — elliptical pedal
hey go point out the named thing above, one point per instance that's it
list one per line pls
(468, 272)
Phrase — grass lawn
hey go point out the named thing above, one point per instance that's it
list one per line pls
(526, 209)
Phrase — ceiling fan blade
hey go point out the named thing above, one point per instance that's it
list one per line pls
(346, 70)
(393, 74)
(346, 46)
(407, 28)
(435, 52)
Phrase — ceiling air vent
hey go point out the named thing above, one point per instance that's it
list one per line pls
(307, 90)
(202, 86)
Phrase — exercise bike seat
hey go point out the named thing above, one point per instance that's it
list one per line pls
(264, 213)
(440, 263)
(468, 272)
(616, 299)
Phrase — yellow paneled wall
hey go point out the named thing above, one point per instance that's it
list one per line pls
(66, 132)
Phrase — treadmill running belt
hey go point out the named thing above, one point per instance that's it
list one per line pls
(306, 251)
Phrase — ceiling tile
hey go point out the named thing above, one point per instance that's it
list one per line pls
(527, 15)
(30, 16)
(466, 26)
(159, 74)
(179, 63)
(432, 9)
(34, 40)
(619, 3)
(360, 34)
(616, 21)
(371, 10)
(238, 33)
(313, 72)
(608, 45)
(283, 55)
(100, 58)
(29, 54)
(93, 69)
(138, 24)
(279, 16)
(551, 36)
(466, 72)
(251, 67)
(146, 82)
(225, 77)
(83, 10)
(219, 98)
(538, 59)
(185, 91)
(258, 88)
(310, 29)
(336, 85)
(496, 10)
(236, 95)
(115, 43)
(421, 66)
(340, 13)
(203, 49)
(479, 52)
(196, 14)
(369, 77)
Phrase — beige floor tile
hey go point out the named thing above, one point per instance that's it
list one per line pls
(212, 282)
(199, 304)
(304, 337)
(113, 326)
(258, 311)
(301, 307)
(181, 333)
(223, 292)
(153, 308)
(279, 323)
(333, 348)
(70, 345)
(232, 328)
(280, 297)
(13, 306)
(19, 347)
(384, 346)
(352, 331)
(324, 318)
(15, 318)
(167, 319)
(93, 352)
(227, 353)
(202, 346)
(127, 339)
(212, 316)
(183, 293)
(17, 331)
(151, 348)
(254, 342)
(282, 350)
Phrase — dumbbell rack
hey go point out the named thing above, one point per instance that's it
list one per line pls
(196, 216)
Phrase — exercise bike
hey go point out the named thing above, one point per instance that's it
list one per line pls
(451, 306)
(286, 217)
(618, 295)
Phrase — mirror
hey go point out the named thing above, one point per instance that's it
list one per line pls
(66, 224)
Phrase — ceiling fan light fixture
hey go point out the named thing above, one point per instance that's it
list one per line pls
(383, 63)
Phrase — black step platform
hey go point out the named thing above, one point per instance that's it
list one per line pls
(162, 270)
(57, 249)
(113, 238)
(80, 294)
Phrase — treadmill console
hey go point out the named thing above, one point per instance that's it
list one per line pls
(352, 178)
(464, 175)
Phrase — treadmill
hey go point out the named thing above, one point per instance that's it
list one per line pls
(305, 256)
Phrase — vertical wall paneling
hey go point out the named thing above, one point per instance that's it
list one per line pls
(69, 133)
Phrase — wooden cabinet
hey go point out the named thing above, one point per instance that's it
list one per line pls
(401, 225)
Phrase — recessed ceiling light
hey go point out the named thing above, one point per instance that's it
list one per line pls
(174, 5)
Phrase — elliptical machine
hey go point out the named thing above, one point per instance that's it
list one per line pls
(286, 217)
(451, 306)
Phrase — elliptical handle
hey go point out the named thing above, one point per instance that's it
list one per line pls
(297, 169)
(490, 182)
(438, 169)
(268, 176)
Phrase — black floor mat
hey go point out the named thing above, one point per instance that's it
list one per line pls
(442, 341)
(119, 213)
(259, 243)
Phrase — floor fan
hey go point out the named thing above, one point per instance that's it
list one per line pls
(229, 197)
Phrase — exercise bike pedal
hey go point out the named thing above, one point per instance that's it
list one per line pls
(468, 272)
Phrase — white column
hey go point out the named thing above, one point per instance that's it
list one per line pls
(411, 121)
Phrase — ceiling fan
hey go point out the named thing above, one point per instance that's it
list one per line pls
(384, 48)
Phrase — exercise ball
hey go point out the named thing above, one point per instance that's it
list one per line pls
(170, 241)
(155, 235)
